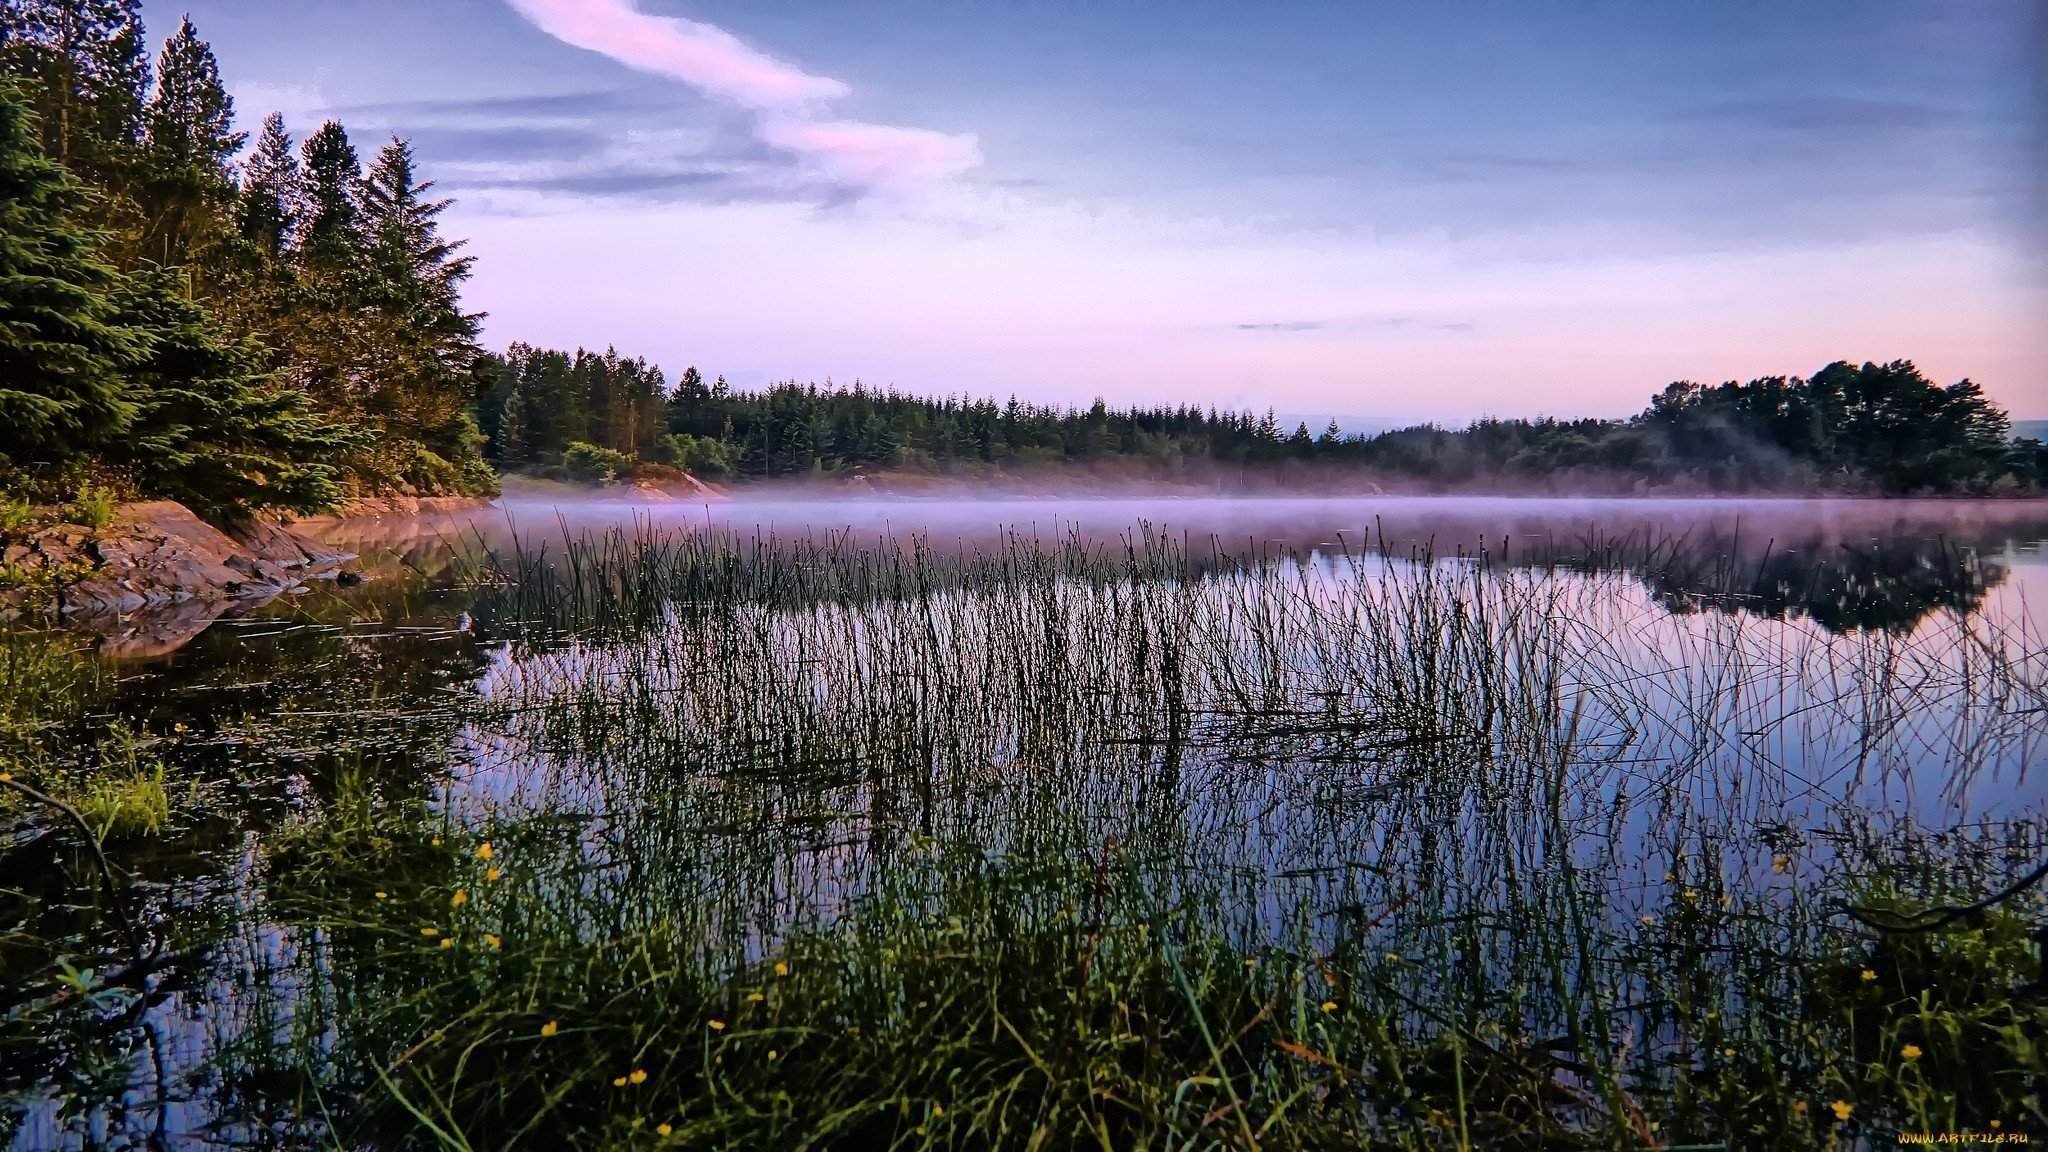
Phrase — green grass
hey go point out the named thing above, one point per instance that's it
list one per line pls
(93, 506)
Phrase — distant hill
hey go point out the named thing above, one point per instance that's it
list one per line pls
(2030, 429)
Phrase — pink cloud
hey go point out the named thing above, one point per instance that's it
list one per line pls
(703, 56)
(875, 154)
(714, 61)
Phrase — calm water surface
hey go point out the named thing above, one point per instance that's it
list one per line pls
(1756, 675)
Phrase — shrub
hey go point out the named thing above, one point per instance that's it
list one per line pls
(706, 457)
(590, 463)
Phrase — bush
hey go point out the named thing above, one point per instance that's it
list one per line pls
(592, 464)
(706, 457)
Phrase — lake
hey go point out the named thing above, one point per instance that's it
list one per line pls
(1277, 822)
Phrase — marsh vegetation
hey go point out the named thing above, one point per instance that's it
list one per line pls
(690, 834)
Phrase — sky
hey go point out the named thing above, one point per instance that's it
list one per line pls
(1404, 211)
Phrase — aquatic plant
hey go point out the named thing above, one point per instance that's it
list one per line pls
(733, 842)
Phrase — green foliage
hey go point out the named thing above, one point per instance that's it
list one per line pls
(125, 805)
(46, 679)
(15, 514)
(1877, 428)
(329, 240)
(84, 67)
(540, 401)
(189, 140)
(705, 456)
(210, 339)
(212, 431)
(63, 348)
(267, 208)
(589, 462)
(93, 506)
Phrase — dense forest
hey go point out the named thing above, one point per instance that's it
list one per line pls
(1875, 428)
(179, 319)
(240, 324)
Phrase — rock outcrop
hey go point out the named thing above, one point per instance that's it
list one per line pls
(156, 554)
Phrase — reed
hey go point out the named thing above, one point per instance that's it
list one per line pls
(831, 843)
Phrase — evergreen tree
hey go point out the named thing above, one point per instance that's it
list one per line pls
(210, 430)
(63, 344)
(189, 141)
(511, 439)
(328, 239)
(267, 204)
(418, 370)
(84, 68)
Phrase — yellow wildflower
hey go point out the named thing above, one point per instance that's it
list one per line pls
(637, 1076)
(1910, 1052)
(664, 1129)
(1843, 1109)
(1781, 863)
(434, 843)
(550, 1028)
(618, 1081)
(1329, 1005)
(492, 874)
(717, 1025)
(755, 997)
(1868, 976)
(447, 942)
(430, 930)
(383, 895)
(484, 851)
(460, 898)
(772, 1054)
(491, 940)
(782, 967)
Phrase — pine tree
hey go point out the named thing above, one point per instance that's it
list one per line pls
(511, 441)
(210, 430)
(423, 341)
(63, 345)
(189, 142)
(267, 204)
(329, 239)
(85, 70)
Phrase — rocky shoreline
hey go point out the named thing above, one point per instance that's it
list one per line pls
(155, 575)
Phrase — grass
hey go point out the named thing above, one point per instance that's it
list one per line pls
(15, 514)
(125, 805)
(741, 843)
(94, 506)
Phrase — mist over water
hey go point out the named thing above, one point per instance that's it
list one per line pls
(1853, 563)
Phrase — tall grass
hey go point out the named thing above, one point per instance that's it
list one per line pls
(827, 843)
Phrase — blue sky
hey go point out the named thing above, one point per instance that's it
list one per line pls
(1421, 211)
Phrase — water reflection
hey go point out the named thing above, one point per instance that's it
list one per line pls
(1695, 728)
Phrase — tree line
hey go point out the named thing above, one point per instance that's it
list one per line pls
(239, 324)
(175, 320)
(1882, 428)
